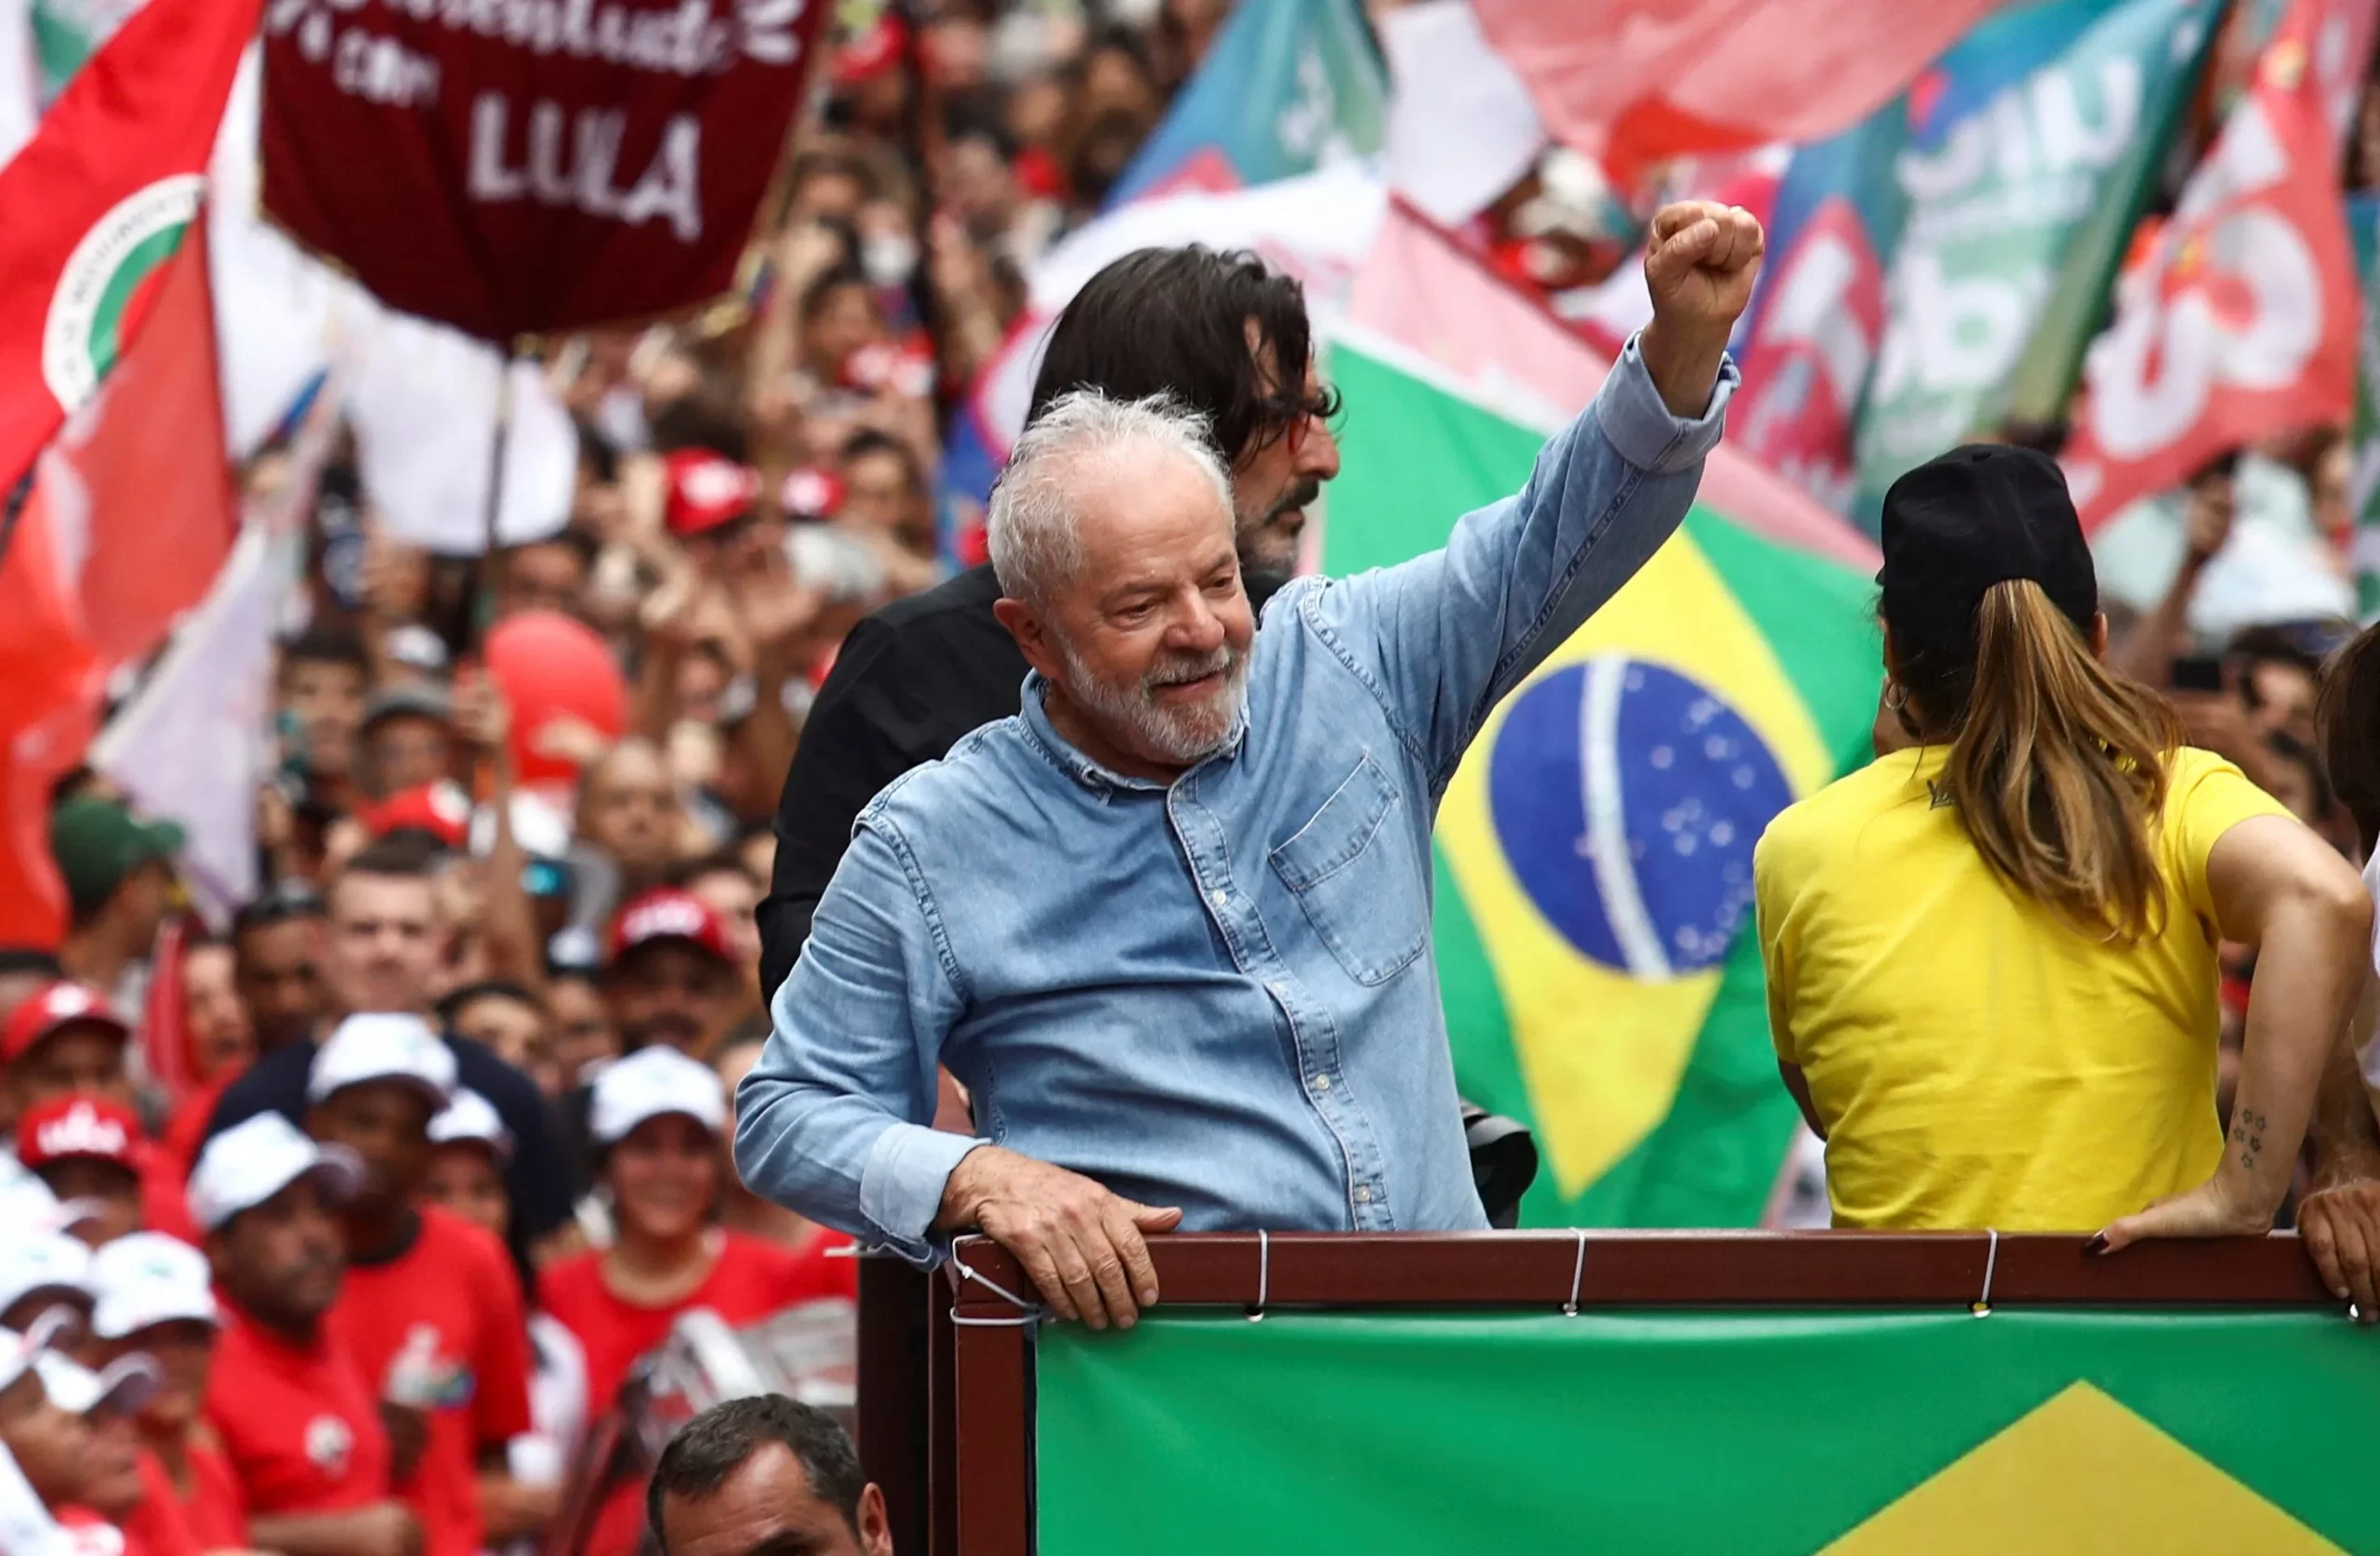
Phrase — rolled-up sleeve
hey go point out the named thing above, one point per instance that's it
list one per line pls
(1450, 633)
(833, 1121)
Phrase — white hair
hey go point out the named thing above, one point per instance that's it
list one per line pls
(1032, 525)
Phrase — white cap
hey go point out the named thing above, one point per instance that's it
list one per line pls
(383, 1045)
(18, 1351)
(255, 1159)
(649, 1083)
(128, 1383)
(145, 1278)
(28, 1209)
(42, 1261)
(472, 1117)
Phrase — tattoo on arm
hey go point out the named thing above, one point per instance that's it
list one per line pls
(2248, 1133)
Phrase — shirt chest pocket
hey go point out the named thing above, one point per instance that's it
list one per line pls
(1355, 878)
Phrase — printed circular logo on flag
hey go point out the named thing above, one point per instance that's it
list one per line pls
(1628, 798)
(106, 282)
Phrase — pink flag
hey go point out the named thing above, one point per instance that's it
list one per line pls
(1419, 291)
(1636, 79)
(2241, 321)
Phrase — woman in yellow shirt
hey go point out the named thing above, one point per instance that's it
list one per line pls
(1991, 956)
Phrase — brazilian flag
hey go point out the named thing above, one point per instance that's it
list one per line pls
(1594, 851)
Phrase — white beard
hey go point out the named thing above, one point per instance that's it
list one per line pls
(1185, 735)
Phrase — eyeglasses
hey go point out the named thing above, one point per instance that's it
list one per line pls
(1295, 418)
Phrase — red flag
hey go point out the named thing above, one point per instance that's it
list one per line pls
(147, 471)
(1636, 79)
(98, 200)
(130, 518)
(50, 683)
(2240, 322)
(165, 1036)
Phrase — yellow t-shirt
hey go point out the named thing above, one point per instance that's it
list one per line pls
(1978, 1063)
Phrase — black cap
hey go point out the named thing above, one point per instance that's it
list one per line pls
(1977, 516)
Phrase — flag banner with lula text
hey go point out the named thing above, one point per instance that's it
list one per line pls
(1595, 850)
(1666, 1432)
(2239, 321)
(1959, 238)
(544, 165)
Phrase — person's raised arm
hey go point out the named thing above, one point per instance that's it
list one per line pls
(2277, 886)
(1450, 633)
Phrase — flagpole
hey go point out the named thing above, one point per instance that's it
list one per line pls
(483, 607)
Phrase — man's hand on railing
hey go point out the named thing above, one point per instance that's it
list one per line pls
(2339, 1223)
(1082, 1244)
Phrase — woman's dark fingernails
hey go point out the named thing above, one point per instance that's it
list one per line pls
(2097, 1244)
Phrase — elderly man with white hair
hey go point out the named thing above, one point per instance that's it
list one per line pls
(1171, 923)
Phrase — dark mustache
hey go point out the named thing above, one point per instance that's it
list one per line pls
(1303, 495)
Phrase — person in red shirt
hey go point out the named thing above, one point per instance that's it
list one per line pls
(64, 1043)
(297, 1420)
(154, 1300)
(431, 1308)
(82, 1148)
(655, 1120)
(115, 1492)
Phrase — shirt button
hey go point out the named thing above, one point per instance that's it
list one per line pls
(1220, 897)
(1322, 1083)
(1363, 1193)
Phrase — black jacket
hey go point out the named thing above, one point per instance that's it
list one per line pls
(909, 681)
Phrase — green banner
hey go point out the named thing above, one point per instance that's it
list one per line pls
(2016, 219)
(1708, 1434)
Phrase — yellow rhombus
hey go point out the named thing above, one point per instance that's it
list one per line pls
(2081, 1476)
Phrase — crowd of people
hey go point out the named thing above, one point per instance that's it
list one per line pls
(336, 1227)
(337, 1223)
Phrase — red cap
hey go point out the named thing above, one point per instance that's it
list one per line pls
(441, 810)
(665, 913)
(67, 1126)
(706, 491)
(62, 1004)
(812, 492)
(872, 52)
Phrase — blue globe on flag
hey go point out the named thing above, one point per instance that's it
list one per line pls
(1627, 798)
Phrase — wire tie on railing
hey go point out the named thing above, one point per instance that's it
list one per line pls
(1028, 1316)
(1263, 1274)
(1982, 1305)
(1577, 1274)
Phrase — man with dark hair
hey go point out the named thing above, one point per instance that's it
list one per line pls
(884, 488)
(548, 573)
(764, 1476)
(1215, 330)
(278, 948)
(383, 955)
(324, 674)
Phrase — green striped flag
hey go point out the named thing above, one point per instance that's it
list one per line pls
(1594, 851)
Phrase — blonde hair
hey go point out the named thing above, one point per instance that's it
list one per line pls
(2057, 766)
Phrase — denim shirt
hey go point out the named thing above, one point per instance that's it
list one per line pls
(1217, 994)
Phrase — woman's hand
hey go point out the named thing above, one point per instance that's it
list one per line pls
(2218, 1207)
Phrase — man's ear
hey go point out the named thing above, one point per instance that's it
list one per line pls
(875, 1527)
(1032, 636)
